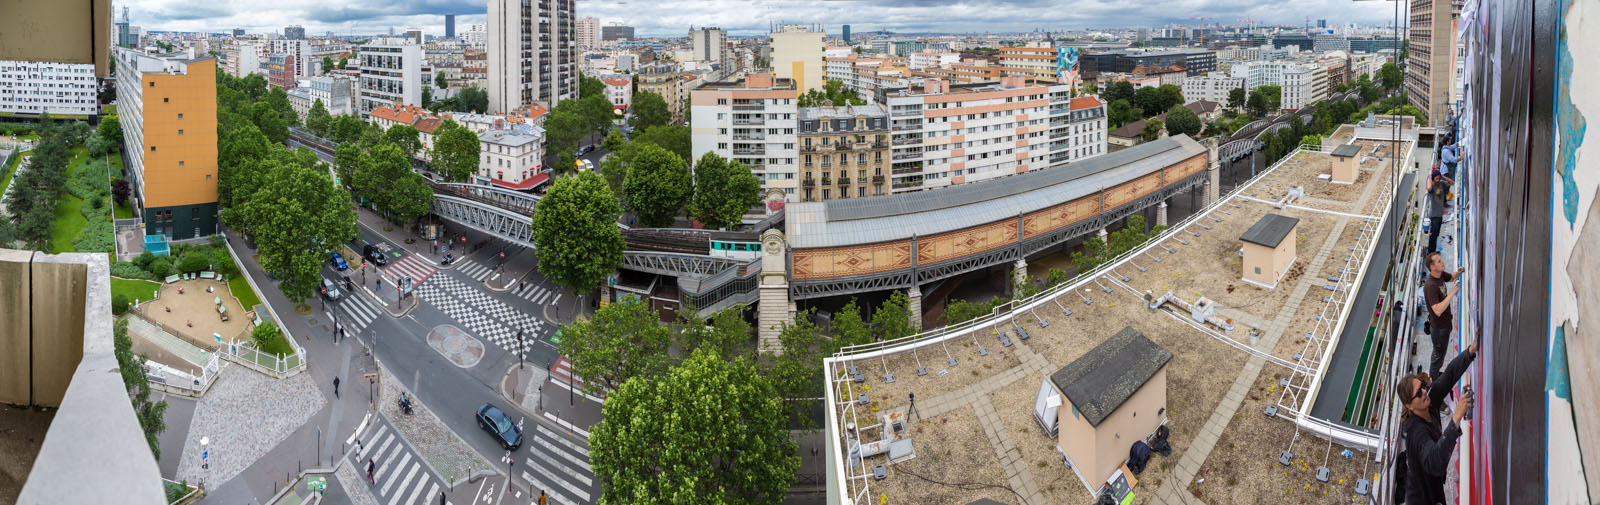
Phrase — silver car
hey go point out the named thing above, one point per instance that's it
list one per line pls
(330, 290)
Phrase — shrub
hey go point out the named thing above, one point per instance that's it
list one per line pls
(161, 268)
(98, 236)
(144, 260)
(269, 340)
(194, 261)
(119, 304)
(130, 270)
(223, 262)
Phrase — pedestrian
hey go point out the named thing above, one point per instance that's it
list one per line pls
(371, 464)
(541, 497)
(1438, 192)
(335, 386)
(441, 498)
(1439, 297)
(1428, 447)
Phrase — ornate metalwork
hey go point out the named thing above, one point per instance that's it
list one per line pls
(514, 201)
(504, 224)
(677, 264)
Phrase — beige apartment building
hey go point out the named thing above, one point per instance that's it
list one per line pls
(751, 120)
(1431, 70)
(797, 55)
(844, 152)
(662, 79)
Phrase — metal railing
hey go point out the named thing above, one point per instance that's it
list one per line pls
(171, 380)
(279, 367)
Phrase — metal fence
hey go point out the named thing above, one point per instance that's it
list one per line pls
(178, 382)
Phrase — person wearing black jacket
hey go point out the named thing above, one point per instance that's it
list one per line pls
(1428, 447)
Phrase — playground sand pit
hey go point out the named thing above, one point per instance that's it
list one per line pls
(1243, 468)
(194, 315)
(1210, 264)
(952, 450)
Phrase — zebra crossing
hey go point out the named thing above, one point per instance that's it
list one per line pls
(399, 475)
(559, 467)
(483, 315)
(474, 270)
(536, 294)
(410, 266)
(356, 312)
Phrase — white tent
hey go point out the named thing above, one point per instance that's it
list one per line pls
(1046, 405)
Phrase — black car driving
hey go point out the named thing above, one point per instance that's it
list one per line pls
(374, 255)
(495, 421)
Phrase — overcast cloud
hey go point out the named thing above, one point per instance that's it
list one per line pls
(750, 17)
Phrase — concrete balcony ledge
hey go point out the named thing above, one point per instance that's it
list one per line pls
(56, 349)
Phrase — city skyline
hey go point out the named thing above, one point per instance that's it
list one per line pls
(746, 18)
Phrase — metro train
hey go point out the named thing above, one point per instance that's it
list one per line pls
(736, 245)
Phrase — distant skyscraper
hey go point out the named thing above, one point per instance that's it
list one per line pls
(238, 32)
(1322, 23)
(847, 34)
(533, 58)
(588, 32)
(449, 26)
(294, 32)
(616, 31)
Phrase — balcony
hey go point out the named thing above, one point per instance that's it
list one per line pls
(881, 144)
(841, 147)
(907, 141)
(757, 108)
(877, 179)
(905, 113)
(808, 148)
(844, 181)
(748, 121)
(827, 181)
(808, 182)
(749, 152)
(907, 156)
(749, 136)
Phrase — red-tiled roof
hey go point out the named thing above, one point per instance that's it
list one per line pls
(528, 183)
(1084, 102)
(616, 81)
(428, 124)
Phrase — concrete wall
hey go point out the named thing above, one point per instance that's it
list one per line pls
(1097, 452)
(42, 305)
(16, 349)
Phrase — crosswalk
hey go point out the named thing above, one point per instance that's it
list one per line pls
(412, 266)
(356, 312)
(557, 466)
(474, 270)
(399, 474)
(482, 314)
(537, 294)
(561, 375)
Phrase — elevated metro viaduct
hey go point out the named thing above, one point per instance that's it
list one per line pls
(905, 241)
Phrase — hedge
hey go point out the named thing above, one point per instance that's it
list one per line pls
(129, 270)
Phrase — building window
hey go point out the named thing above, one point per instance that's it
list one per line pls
(180, 131)
(180, 163)
(180, 115)
(152, 149)
(165, 99)
(152, 84)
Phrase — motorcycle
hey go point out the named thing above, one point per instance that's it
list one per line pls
(405, 403)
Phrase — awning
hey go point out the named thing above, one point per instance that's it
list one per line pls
(526, 184)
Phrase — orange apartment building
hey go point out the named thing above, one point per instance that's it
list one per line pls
(168, 109)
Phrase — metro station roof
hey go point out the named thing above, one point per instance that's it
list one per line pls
(855, 221)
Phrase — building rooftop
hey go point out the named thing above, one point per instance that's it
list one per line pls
(1346, 150)
(841, 111)
(1102, 379)
(1270, 230)
(507, 138)
(1085, 102)
(883, 218)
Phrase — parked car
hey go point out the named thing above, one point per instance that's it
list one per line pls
(585, 149)
(495, 421)
(339, 263)
(330, 290)
(374, 255)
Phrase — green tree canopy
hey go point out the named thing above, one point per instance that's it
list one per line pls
(1182, 121)
(675, 138)
(293, 216)
(614, 170)
(1120, 90)
(590, 86)
(410, 197)
(1148, 99)
(563, 129)
(650, 110)
(269, 122)
(456, 150)
(1389, 75)
(711, 431)
(623, 341)
(1120, 113)
(657, 186)
(346, 162)
(1273, 94)
(575, 232)
(1171, 96)
(151, 415)
(405, 137)
(327, 64)
(892, 320)
(111, 130)
(439, 81)
(1257, 104)
(317, 119)
(1152, 129)
(723, 191)
(1236, 97)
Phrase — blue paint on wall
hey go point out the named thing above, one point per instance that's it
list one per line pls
(1555, 378)
(1571, 125)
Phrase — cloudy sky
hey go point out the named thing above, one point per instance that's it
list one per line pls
(749, 17)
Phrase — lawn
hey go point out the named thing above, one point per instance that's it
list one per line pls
(241, 290)
(108, 110)
(123, 212)
(9, 169)
(134, 289)
(69, 221)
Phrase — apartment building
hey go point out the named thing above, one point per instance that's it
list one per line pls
(588, 32)
(752, 121)
(1164, 75)
(1033, 63)
(300, 52)
(475, 36)
(334, 92)
(709, 45)
(974, 72)
(1084, 134)
(866, 75)
(662, 79)
(619, 91)
(844, 152)
(168, 109)
(300, 100)
(511, 158)
(1211, 87)
(533, 53)
(391, 74)
(797, 55)
(31, 88)
(1431, 69)
(242, 57)
(924, 59)
(944, 135)
(280, 70)
(1303, 85)
(474, 69)
(1260, 73)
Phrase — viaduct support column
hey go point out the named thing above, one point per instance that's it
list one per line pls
(1213, 180)
(1161, 213)
(1019, 273)
(914, 305)
(774, 306)
(1101, 234)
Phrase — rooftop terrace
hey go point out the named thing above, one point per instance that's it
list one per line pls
(973, 428)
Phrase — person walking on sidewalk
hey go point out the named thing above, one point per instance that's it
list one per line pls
(335, 386)
(371, 464)
(1441, 322)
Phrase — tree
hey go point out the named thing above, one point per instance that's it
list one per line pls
(623, 341)
(1120, 90)
(410, 198)
(723, 191)
(111, 130)
(344, 61)
(727, 334)
(1389, 75)
(279, 100)
(405, 137)
(892, 320)
(472, 99)
(614, 170)
(1236, 97)
(1152, 129)
(380, 169)
(327, 64)
(1257, 104)
(427, 97)
(566, 163)
(613, 141)
(657, 186)
(1091, 88)
(1149, 99)
(296, 206)
(346, 162)
(98, 146)
(597, 113)
(345, 129)
(1120, 113)
(455, 151)
(151, 415)
(575, 232)
(1312, 139)
(590, 86)
(710, 431)
(121, 189)
(797, 372)
(1170, 96)
(1273, 94)
(193, 261)
(439, 81)
(1182, 121)
(675, 138)
(563, 129)
(317, 119)
(269, 122)
(1409, 110)
(649, 110)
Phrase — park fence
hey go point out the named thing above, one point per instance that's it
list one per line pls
(174, 381)
(246, 354)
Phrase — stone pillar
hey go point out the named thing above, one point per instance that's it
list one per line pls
(775, 307)
(914, 306)
(1161, 213)
(1213, 180)
(1019, 273)
(1101, 234)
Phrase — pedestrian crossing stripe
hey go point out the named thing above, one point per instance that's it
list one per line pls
(574, 447)
(549, 491)
(394, 498)
(389, 477)
(360, 311)
(551, 448)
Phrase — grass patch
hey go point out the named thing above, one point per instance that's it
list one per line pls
(69, 222)
(133, 289)
(123, 212)
(108, 110)
(9, 170)
(241, 290)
